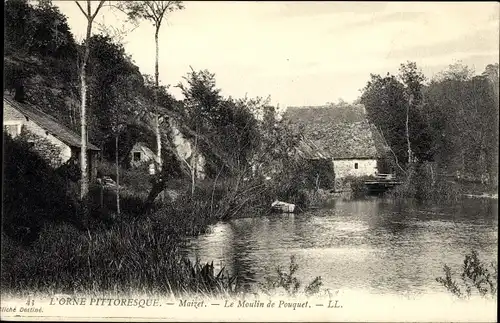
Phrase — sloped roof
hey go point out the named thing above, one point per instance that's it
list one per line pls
(341, 132)
(309, 150)
(330, 114)
(47, 122)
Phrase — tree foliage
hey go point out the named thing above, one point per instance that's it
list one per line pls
(41, 30)
(33, 192)
(227, 127)
(453, 120)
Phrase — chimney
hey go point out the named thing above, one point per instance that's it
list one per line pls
(19, 92)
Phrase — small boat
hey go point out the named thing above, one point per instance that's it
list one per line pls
(282, 207)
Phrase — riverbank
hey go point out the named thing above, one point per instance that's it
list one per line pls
(51, 248)
(49, 245)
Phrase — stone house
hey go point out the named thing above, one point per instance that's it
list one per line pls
(345, 135)
(177, 142)
(19, 116)
(140, 154)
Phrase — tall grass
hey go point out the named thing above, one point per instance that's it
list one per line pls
(134, 256)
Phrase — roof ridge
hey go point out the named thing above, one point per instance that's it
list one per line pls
(26, 107)
(34, 107)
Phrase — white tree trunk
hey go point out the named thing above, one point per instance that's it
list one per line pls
(410, 157)
(157, 121)
(83, 111)
(117, 176)
(194, 164)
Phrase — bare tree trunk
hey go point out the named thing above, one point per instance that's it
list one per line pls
(117, 176)
(83, 154)
(433, 179)
(156, 117)
(83, 80)
(410, 157)
(392, 151)
(157, 84)
(194, 164)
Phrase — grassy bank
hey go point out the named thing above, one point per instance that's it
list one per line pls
(137, 256)
(49, 247)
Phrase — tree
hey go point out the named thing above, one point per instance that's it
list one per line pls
(90, 16)
(276, 143)
(45, 3)
(202, 101)
(395, 104)
(385, 104)
(41, 30)
(108, 64)
(121, 106)
(456, 71)
(154, 12)
(412, 79)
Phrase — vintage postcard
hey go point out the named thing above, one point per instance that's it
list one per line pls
(250, 161)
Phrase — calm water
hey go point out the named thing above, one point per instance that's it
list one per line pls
(376, 246)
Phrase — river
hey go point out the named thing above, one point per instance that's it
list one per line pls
(374, 245)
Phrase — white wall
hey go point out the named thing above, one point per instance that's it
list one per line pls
(185, 150)
(146, 154)
(346, 167)
(14, 117)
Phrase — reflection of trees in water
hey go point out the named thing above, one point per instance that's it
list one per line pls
(485, 209)
(255, 239)
(378, 244)
(417, 240)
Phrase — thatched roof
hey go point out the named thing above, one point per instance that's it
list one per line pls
(341, 132)
(331, 114)
(307, 149)
(47, 122)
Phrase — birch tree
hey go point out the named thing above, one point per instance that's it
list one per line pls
(155, 12)
(412, 79)
(90, 16)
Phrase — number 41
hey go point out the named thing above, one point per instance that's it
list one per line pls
(30, 302)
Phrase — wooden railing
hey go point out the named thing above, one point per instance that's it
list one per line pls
(385, 176)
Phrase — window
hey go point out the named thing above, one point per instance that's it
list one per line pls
(12, 129)
(137, 156)
(355, 165)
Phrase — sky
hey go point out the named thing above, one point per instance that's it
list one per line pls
(305, 53)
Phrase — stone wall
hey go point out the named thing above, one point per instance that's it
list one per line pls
(13, 117)
(355, 167)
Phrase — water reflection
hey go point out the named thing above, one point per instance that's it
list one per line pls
(375, 244)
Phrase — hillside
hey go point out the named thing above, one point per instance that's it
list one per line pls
(42, 67)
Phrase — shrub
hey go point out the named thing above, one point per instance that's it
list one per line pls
(423, 186)
(358, 187)
(289, 282)
(33, 192)
(476, 277)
